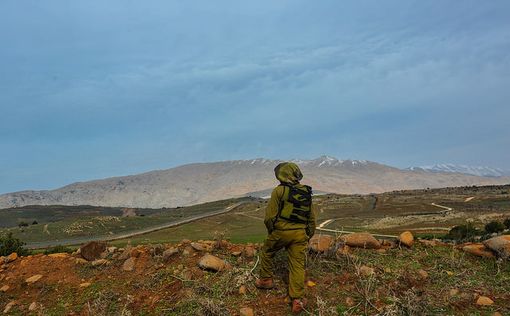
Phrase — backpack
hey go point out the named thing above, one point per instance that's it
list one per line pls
(297, 203)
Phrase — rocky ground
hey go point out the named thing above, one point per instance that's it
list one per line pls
(350, 275)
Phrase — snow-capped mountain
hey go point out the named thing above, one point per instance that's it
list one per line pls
(472, 170)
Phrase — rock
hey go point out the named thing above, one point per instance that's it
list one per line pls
(484, 301)
(187, 251)
(126, 253)
(361, 240)
(343, 250)
(9, 306)
(136, 252)
(249, 251)
(167, 254)
(100, 262)
(246, 311)
(478, 250)
(85, 284)
(310, 283)
(406, 239)
(111, 249)
(80, 261)
(497, 314)
(10, 258)
(366, 271)
(2, 260)
(32, 307)
(349, 301)
(423, 274)
(210, 262)
(58, 255)
(92, 250)
(500, 245)
(185, 241)
(388, 244)
(34, 278)
(453, 292)
(201, 247)
(242, 290)
(157, 250)
(129, 264)
(320, 243)
(236, 253)
(5, 288)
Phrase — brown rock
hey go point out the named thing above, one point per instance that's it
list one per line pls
(236, 253)
(4, 288)
(100, 262)
(136, 252)
(453, 292)
(32, 307)
(167, 254)
(58, 255)
(497, 314)
(366, 271)
(33, 278)
(478, 250)
(349, 301)
(185, 241)
(388, 243)
(242, 290)
(80, 261)
(129, 264)
(406, 239)
(423, 274)
(10, 258)
(343, 250)
(484, 301)
(320, 243)
(126, 253)
(246, 311)
(9, 306)
(201, 246)
(500, 245)
(249, 251)
(92, 250)
(361, 240)
(85, 284)
(210, 262)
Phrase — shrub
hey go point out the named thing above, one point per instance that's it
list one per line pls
(507, 223)
(57, 249)
(35, 222)
(463, 232)
(22, 224)
(9, 244)
(494, 227)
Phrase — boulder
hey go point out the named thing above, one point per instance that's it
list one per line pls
(320, 243)
(10, 258)
(246, 311)
(167, 254)
(33, 278)
(92, 250)
(201, 246)
(361, 240)
(478, 250)
(406, 239)
(484, 301)
(500, 245)
(210, 262)
(129, 264)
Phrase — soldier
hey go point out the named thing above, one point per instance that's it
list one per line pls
(290, 223)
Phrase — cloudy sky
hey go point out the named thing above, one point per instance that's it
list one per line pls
(92, 89)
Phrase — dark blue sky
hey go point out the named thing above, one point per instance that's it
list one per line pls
(91, 89)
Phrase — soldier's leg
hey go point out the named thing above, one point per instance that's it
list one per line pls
(296, 251)
(272, 244)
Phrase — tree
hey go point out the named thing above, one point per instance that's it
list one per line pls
(9, 244)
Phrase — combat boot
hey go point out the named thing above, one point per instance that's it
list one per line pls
(298, 305)
(264, 283)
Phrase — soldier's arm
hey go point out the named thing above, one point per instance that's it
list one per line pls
(272, 210)
(310, 226)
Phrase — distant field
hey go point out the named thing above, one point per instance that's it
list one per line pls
(387, 213)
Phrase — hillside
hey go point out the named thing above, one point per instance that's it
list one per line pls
(172, 279)
(204, 182)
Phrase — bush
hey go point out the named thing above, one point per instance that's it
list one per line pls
(35, 223)
(463, 232)
(22, 224)
(494, 227)
(57, 249)
(507, 223)
(9, 244)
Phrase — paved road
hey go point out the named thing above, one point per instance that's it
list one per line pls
(78, 241)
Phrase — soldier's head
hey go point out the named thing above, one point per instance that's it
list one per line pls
(288, 173)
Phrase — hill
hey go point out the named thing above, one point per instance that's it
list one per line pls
(205, 182)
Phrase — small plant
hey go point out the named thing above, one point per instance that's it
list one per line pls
(58, 249)
(9, 244)
(494, 227)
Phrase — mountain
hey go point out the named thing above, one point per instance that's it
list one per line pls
(203, 182)
(471, 170)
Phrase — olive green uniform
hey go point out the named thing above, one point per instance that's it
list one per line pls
(292, 236)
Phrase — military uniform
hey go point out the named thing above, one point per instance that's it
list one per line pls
(291, 231)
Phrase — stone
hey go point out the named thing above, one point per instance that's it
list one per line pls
(111, 249)
(10, 258)
(34, 278)
(242, 290)
(80, 261)
(5, 288)
(246, 311)
(484, 301)
(167, 254)
(497, 314)
(500, 245)
(129, 264)
(423, 274)
(366, 271)
(406, 239)
(126, 253)
(320, 243)
(361, 240)
(136, 252)
(92, 250)
(310, 283)
(236, 253)
(201, 246)
(185, 241)
(388, 244)
(85, 284)
(32, 307)
(9, 306)
(100, 262)
(478, 250)
(343, 250)
(249, 251)
(453, 292)
(157, 250)
(210, 262)
(349, 301)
